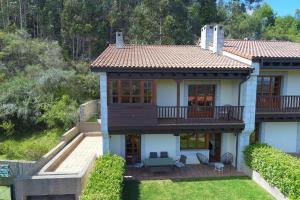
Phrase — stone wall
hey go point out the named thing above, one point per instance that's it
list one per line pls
(88, 110)
(19, 167)
(256, 177)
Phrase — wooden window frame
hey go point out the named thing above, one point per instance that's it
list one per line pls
(142, 91)
(272, 78)
(206, 91)
(206, 136)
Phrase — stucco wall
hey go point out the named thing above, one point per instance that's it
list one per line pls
(226, 91)
(166, 93)
(158, 143)
(281, 135)
(228, 144)
(293, 82)
(290, 80)
(117, 144)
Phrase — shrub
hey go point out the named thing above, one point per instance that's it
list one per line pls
(7, 127)
(61, 113)
(106, 180)
(276, 167)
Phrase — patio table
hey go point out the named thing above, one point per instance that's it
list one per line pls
(159, 164)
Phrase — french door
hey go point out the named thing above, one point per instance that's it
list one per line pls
(201, 99)
(133, 148)
(268, 91)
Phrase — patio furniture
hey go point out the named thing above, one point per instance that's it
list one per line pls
(219, 167)
(159, 164)
(164, 154)
(227, 159)
(202, 159)
(153, 155)
(181, 162)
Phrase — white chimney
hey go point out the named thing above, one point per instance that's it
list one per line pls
(206, 36)
(218, 41)
(119, 40)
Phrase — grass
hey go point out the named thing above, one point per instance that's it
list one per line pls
(94, 118)
(29, 145)
(235, 188)
(4, 193)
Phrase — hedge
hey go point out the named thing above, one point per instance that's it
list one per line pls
(106, 179)
(276, 167)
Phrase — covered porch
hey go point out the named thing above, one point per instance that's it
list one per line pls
(187, 172)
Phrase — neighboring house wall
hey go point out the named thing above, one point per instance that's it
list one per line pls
(290, 80)
(281, 135)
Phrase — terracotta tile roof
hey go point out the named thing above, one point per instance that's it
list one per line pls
(263, 49)
(164, 56)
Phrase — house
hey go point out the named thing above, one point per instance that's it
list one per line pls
(212, 98)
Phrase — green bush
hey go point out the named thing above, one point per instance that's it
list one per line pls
(106, 180)
(62, 113)
(278, 168)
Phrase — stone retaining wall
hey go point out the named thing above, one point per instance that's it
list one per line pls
(256, 177)
(88, 109)
(19, 167)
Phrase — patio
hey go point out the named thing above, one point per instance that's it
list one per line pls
(189, 171)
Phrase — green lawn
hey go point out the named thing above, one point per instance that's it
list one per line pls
(4, 193)
(240, 188)
(29, 145)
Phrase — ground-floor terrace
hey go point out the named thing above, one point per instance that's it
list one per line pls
(187, 172)
(213, 146)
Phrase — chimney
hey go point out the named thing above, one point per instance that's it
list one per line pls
(218, 39)
(119, 40)
(206, 36)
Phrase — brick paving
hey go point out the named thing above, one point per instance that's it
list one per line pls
(77, 160)
(189, 171)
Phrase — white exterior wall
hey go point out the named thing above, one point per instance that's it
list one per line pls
(281, 135)
(248, 100)
(228, 144)
(166, 92)
(117, 145)
(104, 112)
(290, 80)
(158, 143)
(293, 83)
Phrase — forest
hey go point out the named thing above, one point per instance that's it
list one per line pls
(46, 47)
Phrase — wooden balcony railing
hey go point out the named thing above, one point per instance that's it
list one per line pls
(200, 113)
(278, 104)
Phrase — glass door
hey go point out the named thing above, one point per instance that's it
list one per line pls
(201, 101)
(133, 149)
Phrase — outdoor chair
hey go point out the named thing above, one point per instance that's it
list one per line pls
(227, 159)
(181, 162)
(153, 155)
(164, 154)
(202, 159)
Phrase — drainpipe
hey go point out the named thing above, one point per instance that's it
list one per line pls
(236, 149)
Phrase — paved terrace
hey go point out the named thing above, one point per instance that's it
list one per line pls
(76, 161)
(189, 171)
(76, 156)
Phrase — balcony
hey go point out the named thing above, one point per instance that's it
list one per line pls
(279, 108)
(133, 118)
(199, 114)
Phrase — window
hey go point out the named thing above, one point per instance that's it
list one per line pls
(194, 141)
(130, 91)
(201, 95)
(147, 91)
(268, 85)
